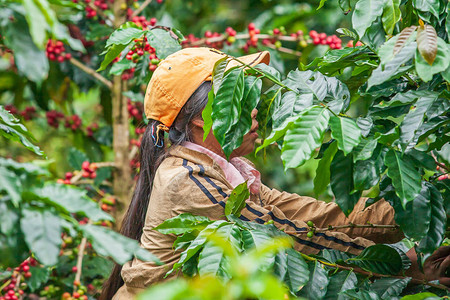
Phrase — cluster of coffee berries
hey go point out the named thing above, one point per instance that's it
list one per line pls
(50, 291)
(29, 113)
(189, 39)
(73, 122)
(302, 42)
(83, 221)
(278, 31)
(91, 12)
(91, 129)
(54, 117)
(135, 109)
(128, 74)
(67, 177)
(11, 108)
(55, 51)
(139, 48)
(231, 35)
(89, 169)
(143, 22)
(253, 38)
(11, 290)
(136, 142)
(358, 43)
(322, 39)
(312, 228)
(139, 130)
(67, 241)
(208, 35)
(80, 293)
(135, 165)
(108, 202)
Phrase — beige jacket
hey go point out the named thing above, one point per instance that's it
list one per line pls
(191, 182)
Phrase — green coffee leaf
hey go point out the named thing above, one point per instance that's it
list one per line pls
(236, 200)
(380, 259)
(316, 288)
(206, 115)
(421, 296)
(431, 6)
(235, 136)
(197, 244)
(345, 132)
(218, 73)
(11, 185)
(109, 243)
(342, 182)
(382, 74)
(304, 137)
(253, 239)
(164, 42)
(365, 149)
(124, 36)
(183, 223)
(339, 283)
(72, 199)
(39, 276)
(212, 258)
(290, 105)
(226, 108)
(297, 274)
(415, 218)
(405, 177)
(389, 288)
(365, 13)
(391, 15)
(322, 178)
(415, 117)
(434, 236)
(42, 231)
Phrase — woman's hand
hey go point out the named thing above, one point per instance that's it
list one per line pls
(436, 266)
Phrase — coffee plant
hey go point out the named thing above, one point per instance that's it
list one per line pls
(366, 105)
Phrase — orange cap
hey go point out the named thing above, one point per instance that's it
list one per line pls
(178, 76)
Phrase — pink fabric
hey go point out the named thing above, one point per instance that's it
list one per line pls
(236, 170)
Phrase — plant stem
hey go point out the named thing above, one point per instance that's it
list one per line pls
(351, 225)
(133, 152)
(121, 176)
(242, 36)
(91, 72)
(410, 80)
(5, 284)
(80, 261)
(100, 13)
(105, 164)
(285, 50)
(271, 78)
(141, 8)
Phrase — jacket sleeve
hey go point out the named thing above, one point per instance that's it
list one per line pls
(207, 196)
(297, 228)
(324, 214)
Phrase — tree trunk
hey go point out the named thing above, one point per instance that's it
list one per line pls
(122, 174)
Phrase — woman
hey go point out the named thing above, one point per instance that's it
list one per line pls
(193, 176)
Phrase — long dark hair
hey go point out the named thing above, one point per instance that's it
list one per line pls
(150, 157)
